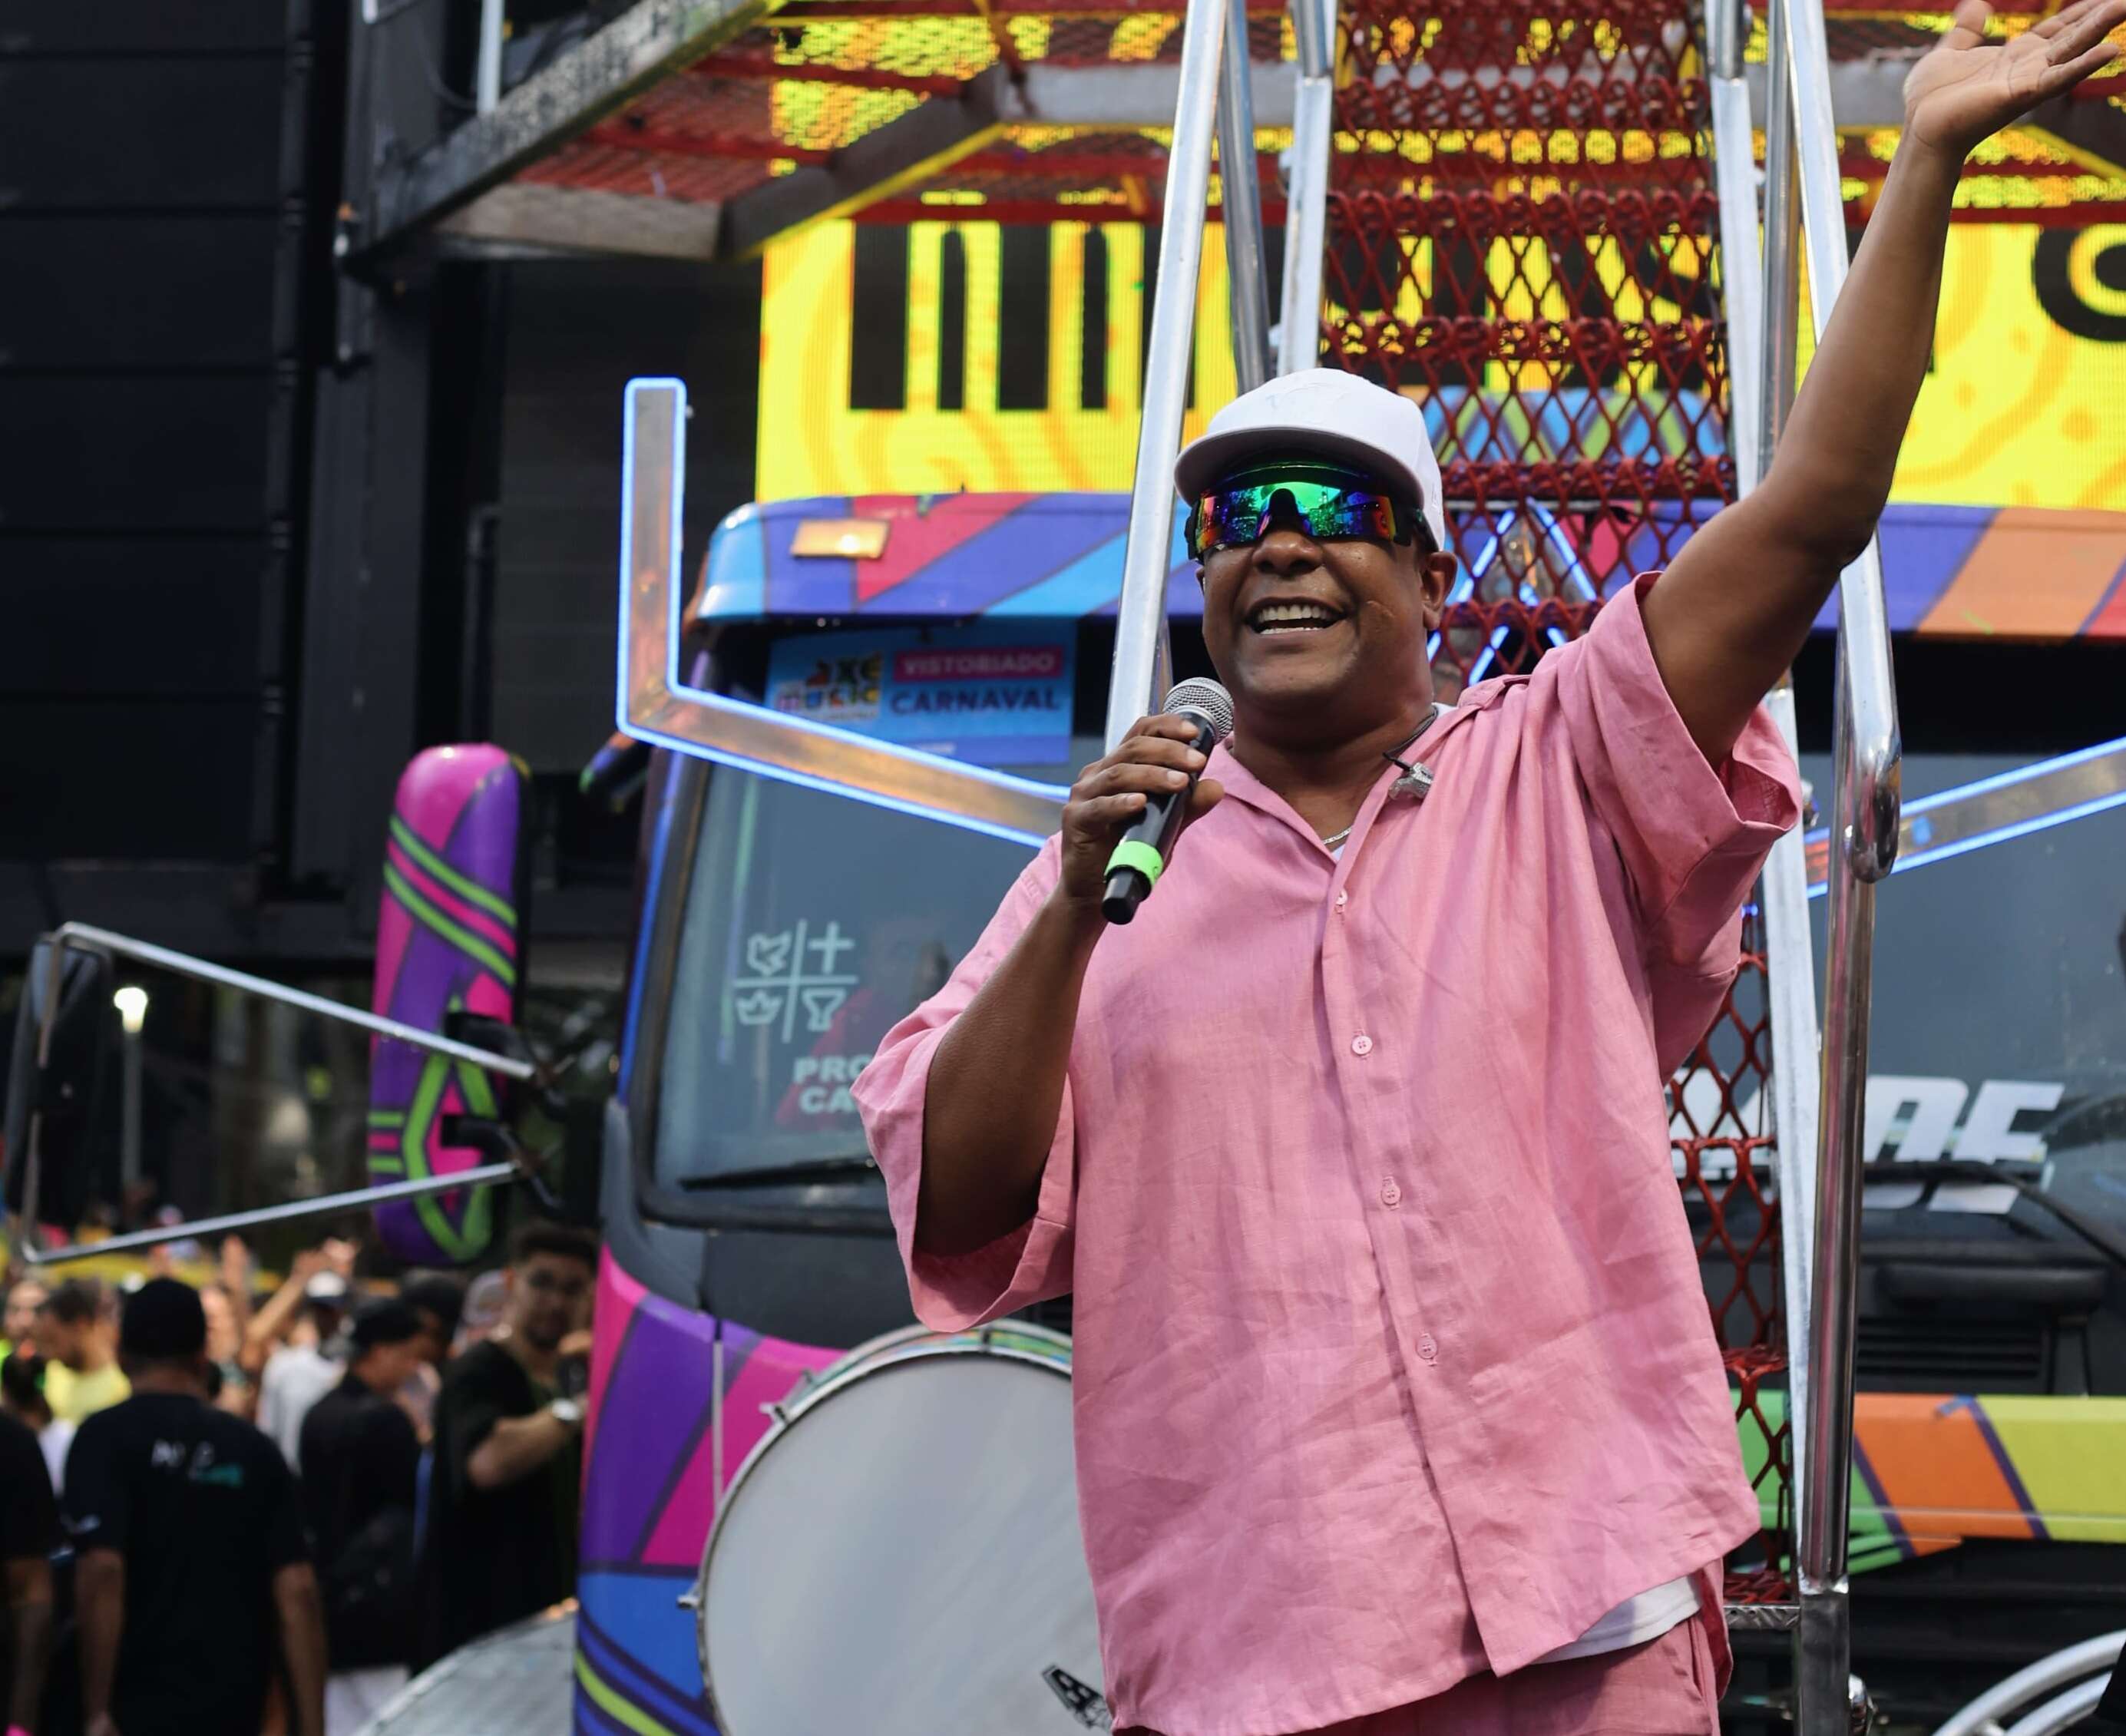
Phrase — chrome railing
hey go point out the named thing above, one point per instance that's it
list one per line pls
(1307, 188)
(1214, 86)
(1142, 661)
(1239, 200)
(656, 702)
(2066, 1685)
(1803, 202)
(1760, 323)
(83, 937)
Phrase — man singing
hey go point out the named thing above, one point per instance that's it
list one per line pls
(1398, 1407)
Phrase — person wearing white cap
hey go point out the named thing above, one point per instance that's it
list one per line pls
(300, 1372)
(1398, 1405)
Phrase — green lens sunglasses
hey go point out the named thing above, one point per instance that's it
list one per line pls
(1236, 515)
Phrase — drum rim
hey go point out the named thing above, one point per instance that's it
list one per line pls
(889, 1349)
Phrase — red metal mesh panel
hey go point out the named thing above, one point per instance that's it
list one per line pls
(1521, 236)
(797, 91)
(1491, 104)
(960, 47)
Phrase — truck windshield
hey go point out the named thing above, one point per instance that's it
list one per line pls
(813, 924)
(2000, 1016)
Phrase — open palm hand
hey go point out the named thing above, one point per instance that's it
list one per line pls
(1968, 88)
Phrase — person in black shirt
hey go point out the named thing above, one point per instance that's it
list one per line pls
(501, 1540)
(359, 1459)
(188, 1537)
(29, 1533)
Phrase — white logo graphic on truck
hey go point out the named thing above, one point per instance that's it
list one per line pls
(1911, 1119)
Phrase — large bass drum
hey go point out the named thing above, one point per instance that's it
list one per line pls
(900, 1554)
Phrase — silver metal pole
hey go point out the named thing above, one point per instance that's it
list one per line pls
(487, 78)
(1789, 949)
(1247, 271)
(1306, 189)
(1864, 620)
(102, 940)
(360, 1199)
(1863, 821)
(1781, 314)
(1796, 1061)
(1741, 270)
(48, 1019)
(1827, 1450)
(1140, 651)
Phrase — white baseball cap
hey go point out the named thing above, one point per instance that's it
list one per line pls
(1326, 411)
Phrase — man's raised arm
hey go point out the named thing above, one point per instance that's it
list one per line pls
(1735, 606)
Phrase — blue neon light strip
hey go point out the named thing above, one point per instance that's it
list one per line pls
(706, 701)
(2018, 774)
(1917, 810)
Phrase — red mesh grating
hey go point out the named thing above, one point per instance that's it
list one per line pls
(1521, 235)
(959, 47)
(1752, 1371)
(797, 91)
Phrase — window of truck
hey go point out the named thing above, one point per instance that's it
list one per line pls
(812, 924)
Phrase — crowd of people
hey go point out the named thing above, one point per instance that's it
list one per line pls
(231, 1512)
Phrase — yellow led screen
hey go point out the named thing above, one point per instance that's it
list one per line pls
(2025, 405)
(966, 355)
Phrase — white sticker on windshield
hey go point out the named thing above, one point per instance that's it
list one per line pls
(791, 973)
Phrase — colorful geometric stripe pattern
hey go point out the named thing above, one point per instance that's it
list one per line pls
(1930, 1471)
(446, 938)
(1951, 571)
(650, 1497)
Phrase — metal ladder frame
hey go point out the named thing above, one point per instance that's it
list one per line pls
(1214, 86)
(1819, 1213)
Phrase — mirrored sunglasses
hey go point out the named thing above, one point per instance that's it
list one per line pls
(1236, 517)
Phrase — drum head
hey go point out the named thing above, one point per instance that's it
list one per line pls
(903, 1559)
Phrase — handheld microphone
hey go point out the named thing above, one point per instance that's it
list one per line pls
(1140, 856)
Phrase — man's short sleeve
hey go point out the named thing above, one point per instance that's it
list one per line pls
(98, 1498)
(1032, 1263)
(29, 1516)
(1693, 837)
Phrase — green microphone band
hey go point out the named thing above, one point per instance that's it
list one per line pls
(1134, 853)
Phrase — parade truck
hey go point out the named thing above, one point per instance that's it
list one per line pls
(857, 716)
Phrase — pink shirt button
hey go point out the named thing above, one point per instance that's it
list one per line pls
(1427, 1350)
(1361, 1045)
(1390, 1195)
(1342, 899)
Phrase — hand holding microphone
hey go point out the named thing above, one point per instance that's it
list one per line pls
(1127, 810)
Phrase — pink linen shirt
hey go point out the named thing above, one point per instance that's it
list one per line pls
(1391, 1363)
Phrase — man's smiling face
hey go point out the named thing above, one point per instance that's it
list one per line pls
(1321, 638)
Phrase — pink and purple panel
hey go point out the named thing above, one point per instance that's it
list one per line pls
(447, 938)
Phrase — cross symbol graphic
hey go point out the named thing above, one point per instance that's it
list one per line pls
(828, 944)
